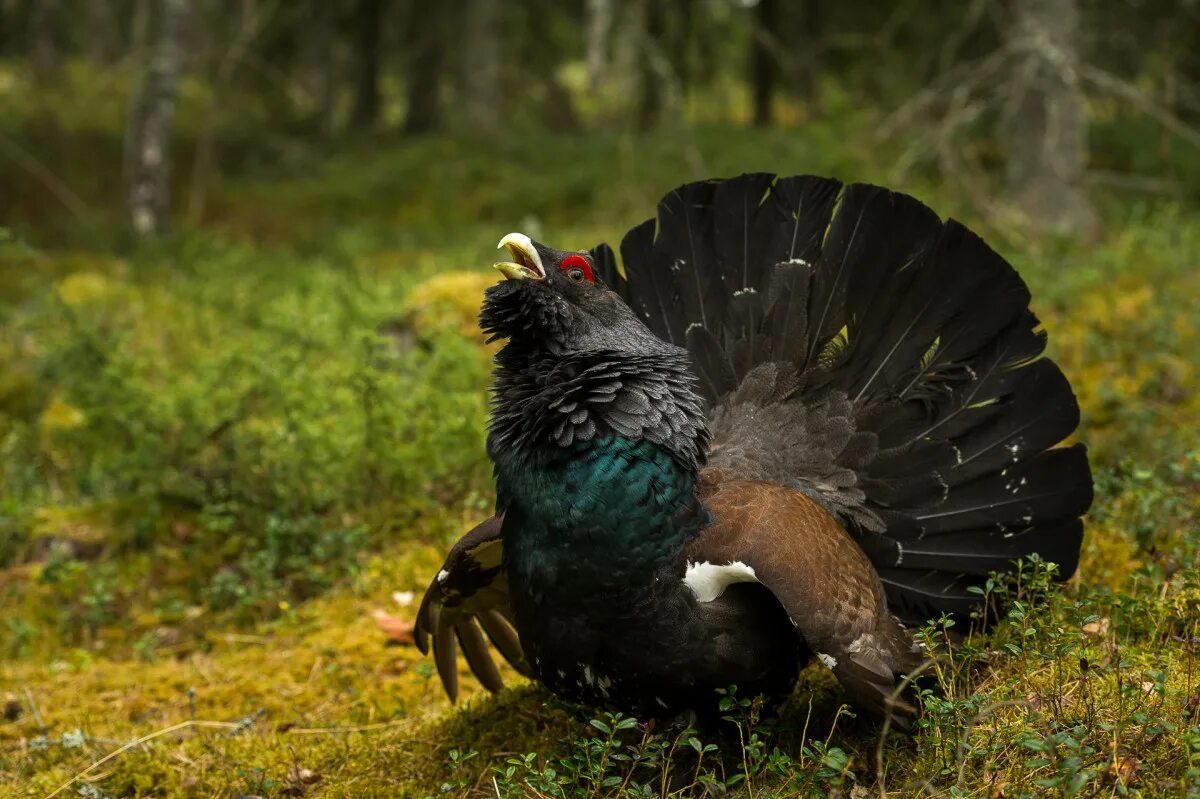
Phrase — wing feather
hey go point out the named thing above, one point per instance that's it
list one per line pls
(470, 591)
(475, 648)
(821, 578)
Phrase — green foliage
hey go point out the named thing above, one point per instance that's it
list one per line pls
(1043, 700)
(248, 420)
(617, 756)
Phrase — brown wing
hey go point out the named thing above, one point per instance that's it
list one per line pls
(822, 579)
(469, 592)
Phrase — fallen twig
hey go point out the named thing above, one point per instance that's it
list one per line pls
(183, 725)
(33, 708)
(52, 182)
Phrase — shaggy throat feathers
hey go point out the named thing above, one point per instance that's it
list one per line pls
(578, 366)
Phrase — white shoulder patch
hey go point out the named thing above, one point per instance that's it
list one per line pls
(442, 576)
(709, 580)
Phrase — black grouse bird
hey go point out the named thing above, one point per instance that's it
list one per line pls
(805, 417)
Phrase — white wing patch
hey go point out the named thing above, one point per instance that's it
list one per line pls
(709, 580)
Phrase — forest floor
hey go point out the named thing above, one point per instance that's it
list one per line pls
(223, 452)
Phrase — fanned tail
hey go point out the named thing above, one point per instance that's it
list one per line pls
(854, 346)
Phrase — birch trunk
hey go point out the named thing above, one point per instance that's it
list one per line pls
(1047, 127)
(149, 140)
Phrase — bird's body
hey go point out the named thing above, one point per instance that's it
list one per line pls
(806, 416)
(597, 583)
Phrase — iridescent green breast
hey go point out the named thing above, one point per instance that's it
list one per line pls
(599, 517)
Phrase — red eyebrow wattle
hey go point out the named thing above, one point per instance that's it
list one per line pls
(572, 261)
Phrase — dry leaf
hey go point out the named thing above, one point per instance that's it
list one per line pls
(1124, 770)
(395, 628)
(303, 776)
(1097, 628)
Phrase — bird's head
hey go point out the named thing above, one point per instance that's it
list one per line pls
(579, 364)
(555, 302)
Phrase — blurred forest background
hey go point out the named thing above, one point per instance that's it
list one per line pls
(242, 396)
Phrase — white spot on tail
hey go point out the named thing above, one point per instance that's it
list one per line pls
(829, 660)
(603, 684)
(708, 580)
(945, 486)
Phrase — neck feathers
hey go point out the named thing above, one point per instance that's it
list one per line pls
(543, 401)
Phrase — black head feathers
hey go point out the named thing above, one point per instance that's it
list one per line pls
(555, 302)
(578, 364)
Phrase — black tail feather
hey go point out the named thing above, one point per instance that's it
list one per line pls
(862, 298)
(712, 363)
(918, 595)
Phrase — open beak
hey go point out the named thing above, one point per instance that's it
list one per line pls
(526, 264)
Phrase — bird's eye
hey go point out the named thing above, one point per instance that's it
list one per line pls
(577, 268)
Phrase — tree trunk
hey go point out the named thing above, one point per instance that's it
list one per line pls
(803, 22)
(426, 46)
(683, 30)
(1184, 74)
(651, 82)
(237, 41)
(368, 22)
(541, 63)
(764, 67)
(43, 24)
(321, 66)
(481, 101)
(1047, 130)
(6, 23)
(149, 137)
(104, 35)
(599, 24)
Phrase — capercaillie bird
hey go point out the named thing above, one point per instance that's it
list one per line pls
(804, 419)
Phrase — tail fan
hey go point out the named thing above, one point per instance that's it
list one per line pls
(854, 346)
